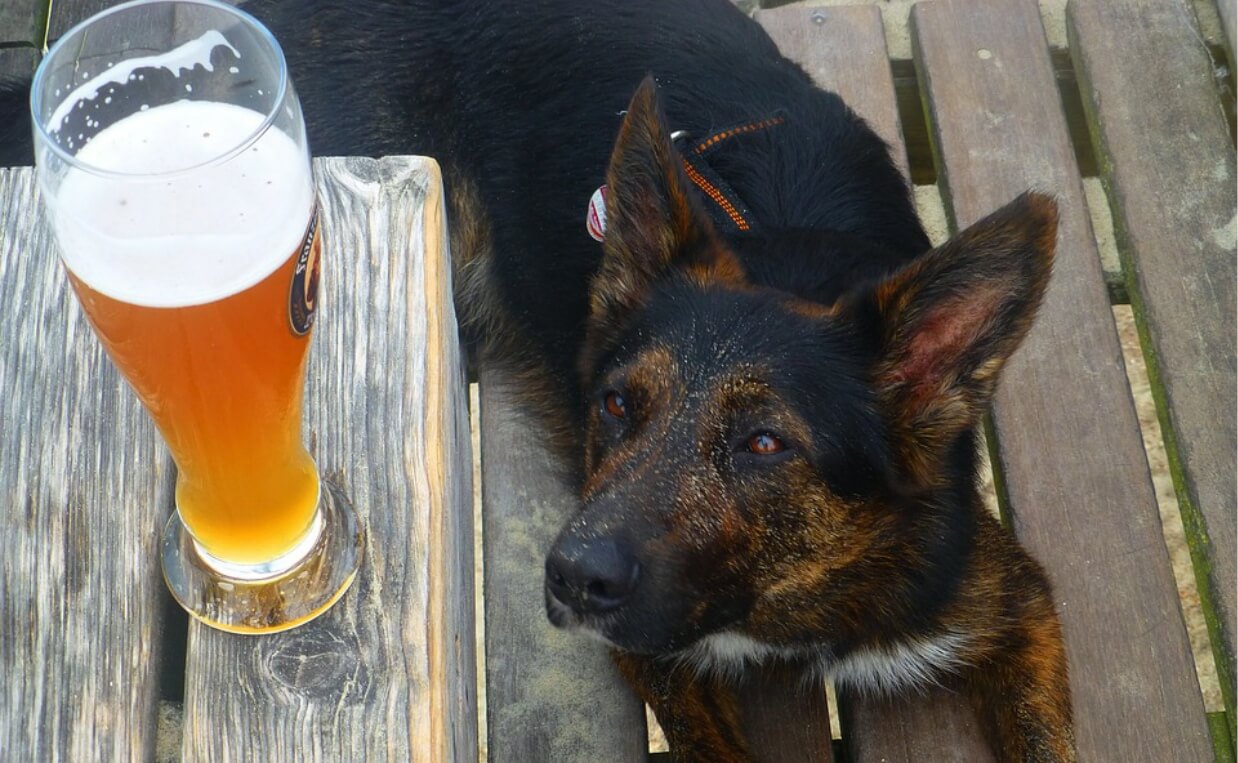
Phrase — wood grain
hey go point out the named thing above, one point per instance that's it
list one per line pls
(1229, 19)
(1169, 172)
(17, 65)
(1068, 442)
(23, 21)
(85, 487)
(786, 719)
(552, 695)
(67, 13)
(937, 725)
(843, 49)
(388, 672)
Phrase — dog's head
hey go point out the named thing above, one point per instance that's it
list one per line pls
(754, 461)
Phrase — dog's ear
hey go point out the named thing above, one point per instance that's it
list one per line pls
(949, 321)
(653, 221)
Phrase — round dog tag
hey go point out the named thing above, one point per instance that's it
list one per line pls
(595, 220)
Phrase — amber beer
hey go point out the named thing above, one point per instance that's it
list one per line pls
(209, 323)
(175, 173)
(225, 390)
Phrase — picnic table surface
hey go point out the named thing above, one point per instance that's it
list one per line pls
(388, 673)
(90, 642)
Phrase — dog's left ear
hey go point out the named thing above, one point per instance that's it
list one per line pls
(949, 321)
(653, 221)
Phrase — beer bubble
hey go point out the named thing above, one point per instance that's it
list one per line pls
(108, 99)
(145, 106)
(188, 88)
(233, 70)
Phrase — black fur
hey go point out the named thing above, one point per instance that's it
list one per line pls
(532, 118)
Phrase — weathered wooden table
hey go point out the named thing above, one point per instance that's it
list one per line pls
(85, 486)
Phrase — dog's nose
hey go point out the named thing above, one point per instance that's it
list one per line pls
(591, 576)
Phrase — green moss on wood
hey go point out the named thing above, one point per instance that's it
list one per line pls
(1192, 518)
(1222, 743)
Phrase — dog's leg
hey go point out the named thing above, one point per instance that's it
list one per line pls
(700, 715)
(1022, 694)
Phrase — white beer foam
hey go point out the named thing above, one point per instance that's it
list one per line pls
(190, 237)
(182, 58)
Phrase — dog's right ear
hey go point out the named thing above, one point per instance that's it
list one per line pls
(653, 221)
(948, 322)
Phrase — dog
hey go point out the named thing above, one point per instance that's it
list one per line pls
(765, 382)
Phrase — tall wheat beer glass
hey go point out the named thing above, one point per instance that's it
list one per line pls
(175, 173)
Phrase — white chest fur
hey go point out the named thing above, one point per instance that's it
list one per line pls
(888, 669)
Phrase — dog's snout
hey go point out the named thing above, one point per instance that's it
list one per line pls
(591, 576)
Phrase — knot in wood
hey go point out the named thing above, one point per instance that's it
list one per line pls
(319, 663)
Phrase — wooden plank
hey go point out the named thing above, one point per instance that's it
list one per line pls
(1068, 443)
(786, 719)
(937, 721)
(938, 726)
(85, 488)
(551, 695)
(17, 67)
(844, 50)
(67, 13)
(23, 21)
(16, 70)
(1229, 19)
(1170, 175)
(388, 672)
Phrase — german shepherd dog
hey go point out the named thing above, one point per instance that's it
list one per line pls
(766, 382)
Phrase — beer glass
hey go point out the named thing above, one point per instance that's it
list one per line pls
(175, 173)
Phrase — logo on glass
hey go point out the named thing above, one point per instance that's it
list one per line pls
(303, 296)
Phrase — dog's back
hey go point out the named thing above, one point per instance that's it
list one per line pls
(521, 102)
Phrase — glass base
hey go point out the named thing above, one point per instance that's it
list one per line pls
(274, 597)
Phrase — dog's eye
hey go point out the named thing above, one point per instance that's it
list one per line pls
(765, 444)
(615, 405)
